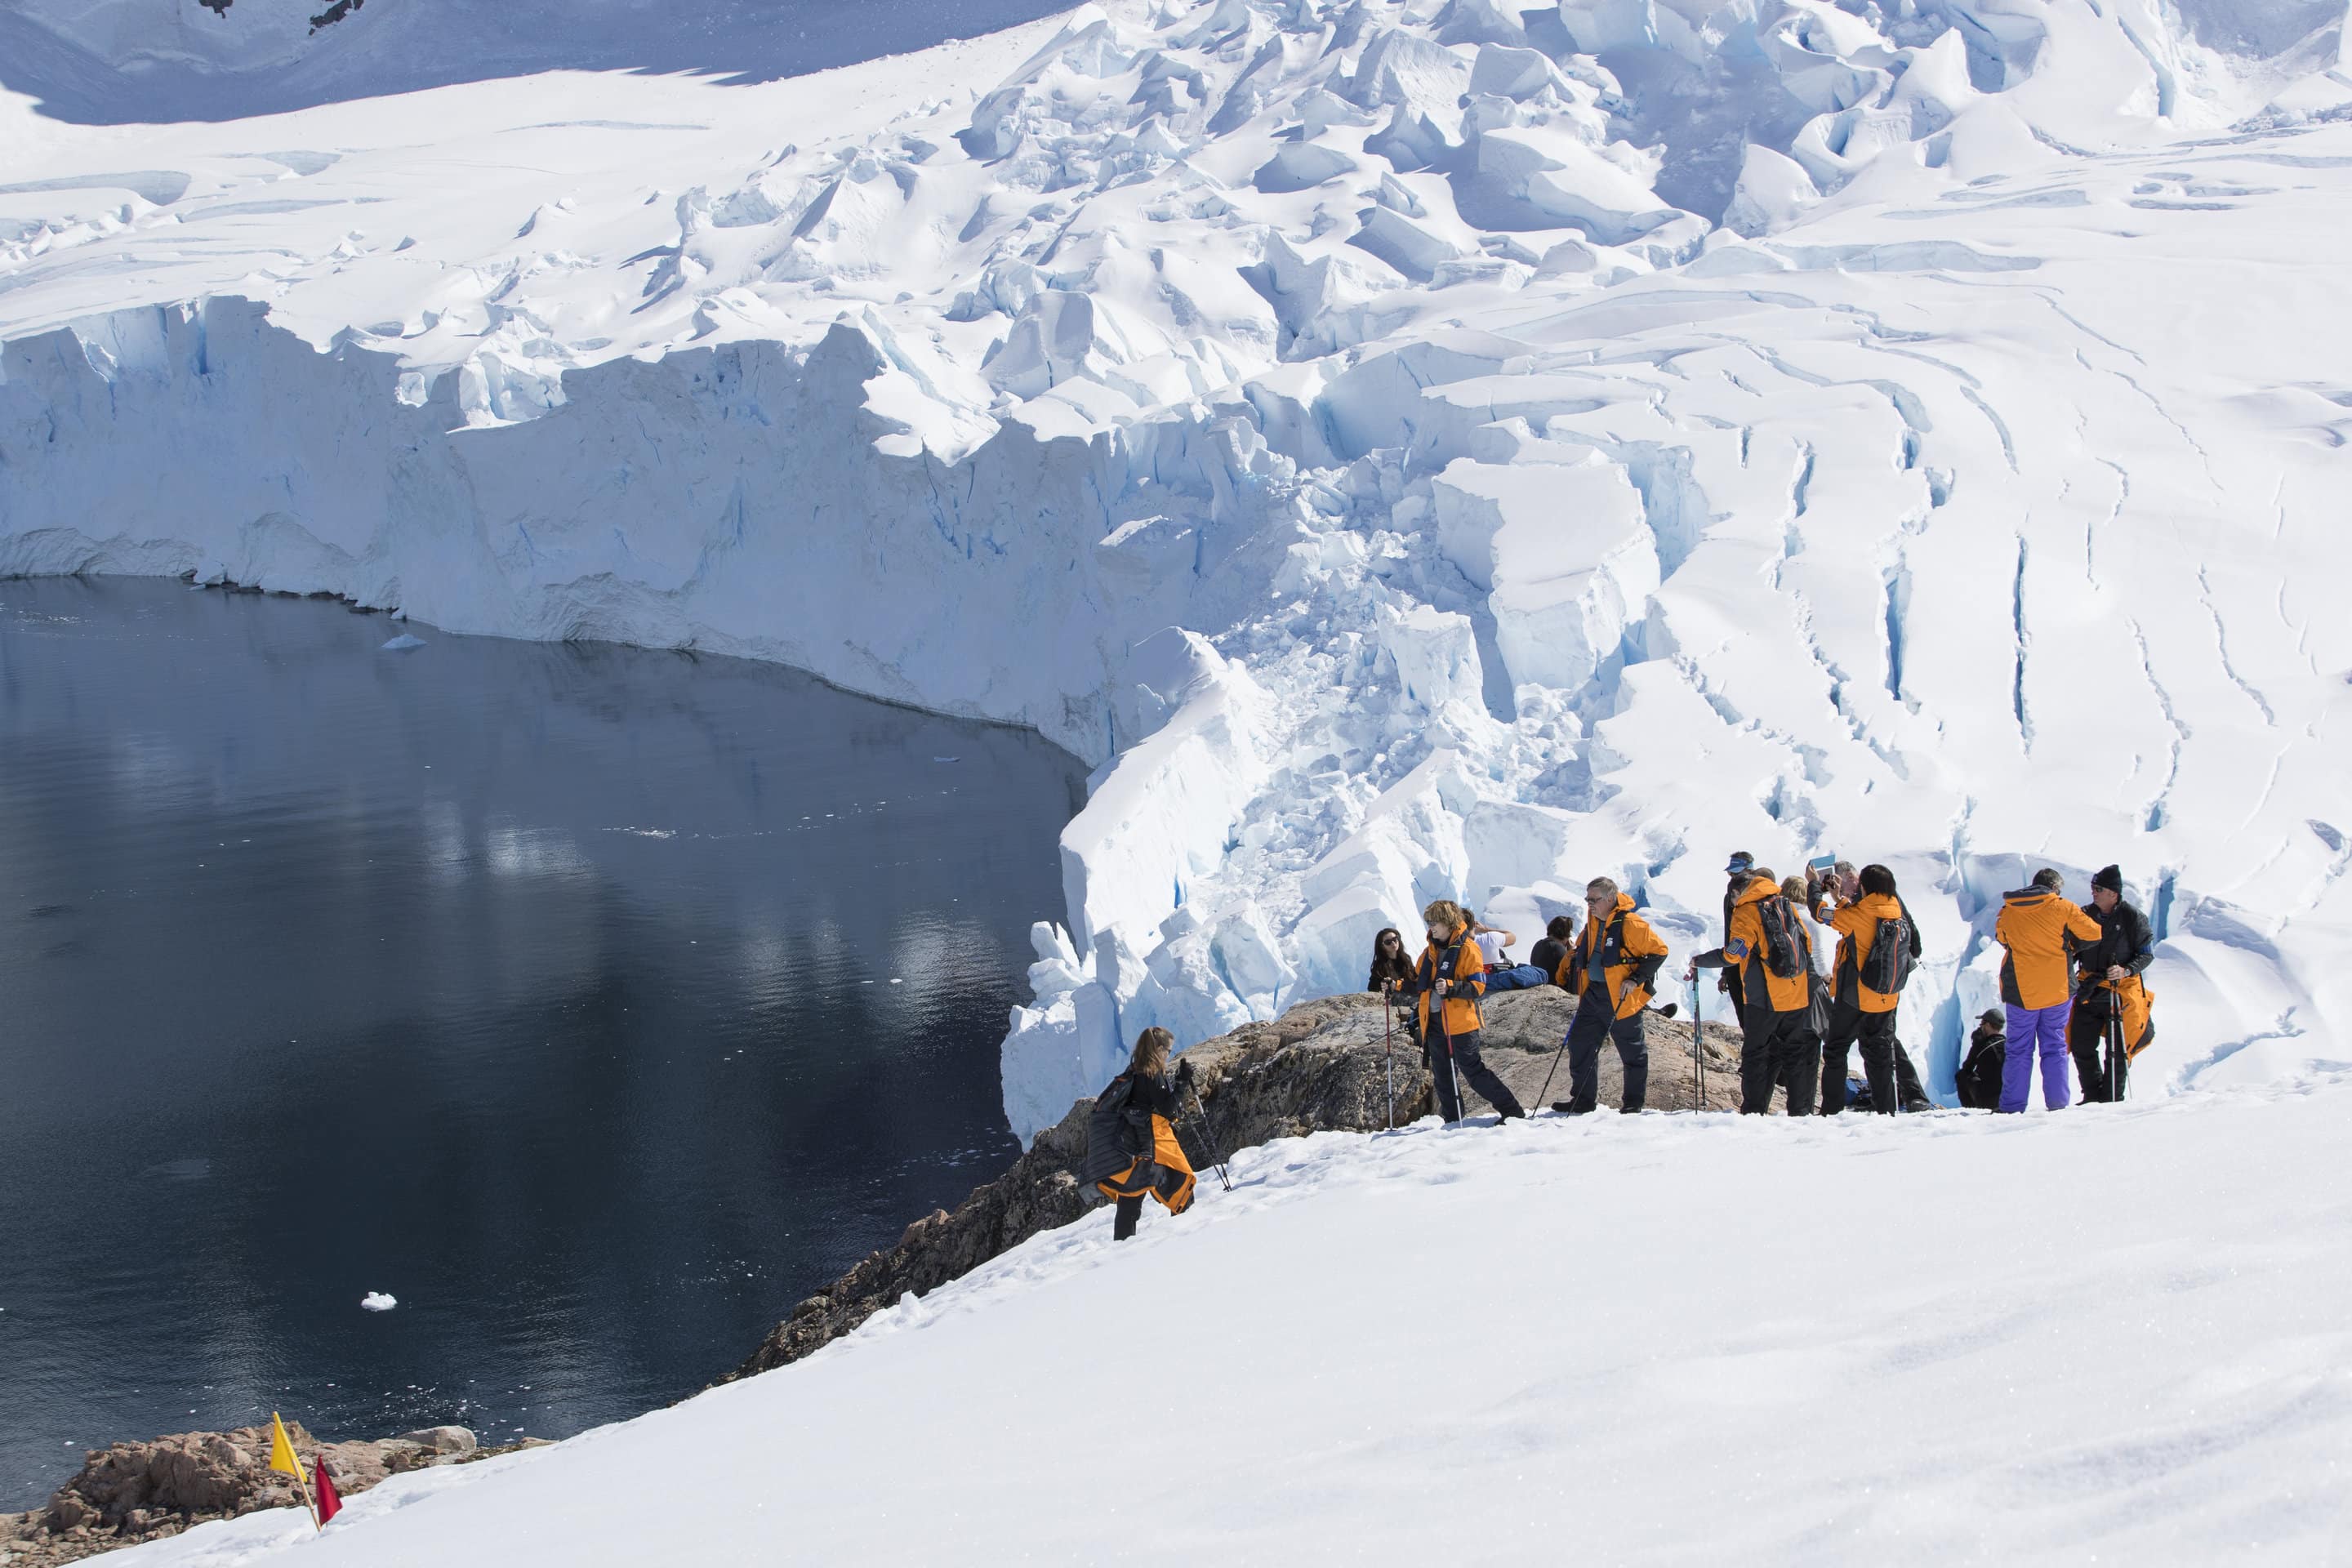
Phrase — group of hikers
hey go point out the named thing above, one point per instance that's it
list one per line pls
(2070, 980)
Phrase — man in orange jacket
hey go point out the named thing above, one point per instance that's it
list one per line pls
(1858, 1015)
(1611, 969)
(1774, 957)
(2041, 928)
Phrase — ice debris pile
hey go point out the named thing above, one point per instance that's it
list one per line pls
(1414, 448)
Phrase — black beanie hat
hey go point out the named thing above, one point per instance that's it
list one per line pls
(1992, 1018)
(2111, 877)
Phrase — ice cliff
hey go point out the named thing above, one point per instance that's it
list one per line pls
(1410, 448)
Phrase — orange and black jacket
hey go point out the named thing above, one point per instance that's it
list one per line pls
(1621, 954)
(1460, 962)
(1131, 1143)
(1857, 927)
(1745, 951)
(2040, 929)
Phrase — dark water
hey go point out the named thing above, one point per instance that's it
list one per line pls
(549, 989)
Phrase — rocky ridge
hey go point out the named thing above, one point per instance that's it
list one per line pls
(1324, 1066)
(135, 1492)
(1337, 1063)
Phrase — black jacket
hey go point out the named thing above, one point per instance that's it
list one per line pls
(1119, 1131)
(1398, 970)
(1550, 953)
(2126, 937)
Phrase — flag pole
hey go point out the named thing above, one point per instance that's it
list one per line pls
(304, 1488)
(292, 1466)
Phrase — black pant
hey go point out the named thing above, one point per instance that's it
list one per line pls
(1875, 1032)
(2087, 1038)
(1470, 1067)
(1781, 1050)
(1129, 1210)
(1907, 1086)
(1585, 1032)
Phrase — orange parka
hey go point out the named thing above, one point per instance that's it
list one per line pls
(1745, 949)
(1460, 962)
(1857, 927)
(2035, 924)
(1628, 955)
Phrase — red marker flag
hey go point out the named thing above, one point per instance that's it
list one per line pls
(324, 1486)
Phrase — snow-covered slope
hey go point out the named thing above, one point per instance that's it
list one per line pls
(1416, 449)
(1944, 1339)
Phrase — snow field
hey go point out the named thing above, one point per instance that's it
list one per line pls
(1418, 449)
(2114, 1334)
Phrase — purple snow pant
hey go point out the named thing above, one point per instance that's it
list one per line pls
(2017, 1072)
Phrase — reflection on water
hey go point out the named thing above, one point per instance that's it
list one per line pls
(597, 1004)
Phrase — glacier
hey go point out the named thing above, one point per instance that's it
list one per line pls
(1406, 449)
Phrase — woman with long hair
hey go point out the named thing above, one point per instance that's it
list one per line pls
(1131, 1146)
(1391, 967)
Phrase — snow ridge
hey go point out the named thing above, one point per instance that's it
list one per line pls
(1419, 450)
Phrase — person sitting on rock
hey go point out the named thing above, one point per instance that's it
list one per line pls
(1613, 966)
(1451, 978)
(1554, 950)
(1131, 1145)
(1502, 974)
(1391, 970)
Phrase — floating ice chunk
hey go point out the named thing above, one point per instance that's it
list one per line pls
(377, 1302)
(403, 643)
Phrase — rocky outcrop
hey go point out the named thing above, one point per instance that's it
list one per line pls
(1329, 1064)
(134, 1492)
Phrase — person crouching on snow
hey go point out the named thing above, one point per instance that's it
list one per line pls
(1451, 978)
(1131, 1146)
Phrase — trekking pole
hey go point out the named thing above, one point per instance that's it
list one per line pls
(1209, 1131)
(1543, 1094)
(1387, 1039)
(2118, 1046)
(1699, 1047)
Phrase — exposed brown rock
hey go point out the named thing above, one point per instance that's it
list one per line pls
(1326, 1064)
(133, 1493)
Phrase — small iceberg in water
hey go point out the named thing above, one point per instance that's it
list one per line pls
(377, 1302)
(402, 644)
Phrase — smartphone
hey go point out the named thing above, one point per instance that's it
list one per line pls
(1822, 865)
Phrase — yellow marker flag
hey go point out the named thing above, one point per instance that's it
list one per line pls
(281, 1449)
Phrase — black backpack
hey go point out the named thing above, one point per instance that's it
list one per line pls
(1783, 953)
(1978, 1079)
(1887, 964)
(1111, 1143)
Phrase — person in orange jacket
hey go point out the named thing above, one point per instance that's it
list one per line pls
(1775, 958)
(1132, 1150)
(1859, 1015)
(1451, 978)
(1610, 968)
(2041, 928)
